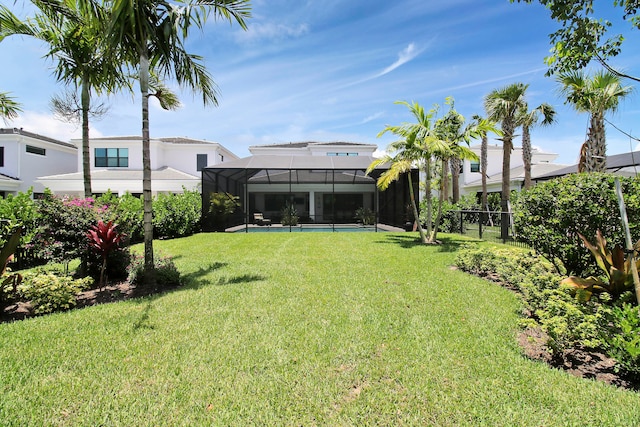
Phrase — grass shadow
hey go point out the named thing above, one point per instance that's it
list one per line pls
(404, 241)
(194, 279)
(245, 278)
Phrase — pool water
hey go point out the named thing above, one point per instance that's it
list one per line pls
(307, 228)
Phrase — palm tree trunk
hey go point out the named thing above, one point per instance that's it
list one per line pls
(526, 156)
(507, 146)
(429, 201)
(149, 275)
(423, 237)
(85, 100)
(455, 179)
(598, 150)
(434, 233)
(483, 169)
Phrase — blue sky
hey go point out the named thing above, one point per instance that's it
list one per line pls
(331, 70)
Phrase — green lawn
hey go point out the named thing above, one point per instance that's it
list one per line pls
(297, 329)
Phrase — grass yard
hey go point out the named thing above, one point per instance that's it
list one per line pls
(297, 329)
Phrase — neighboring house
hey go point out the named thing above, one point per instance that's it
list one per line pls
(471, 179)
(116, 165)
(324, 181)
(24, 156)
(625, 164)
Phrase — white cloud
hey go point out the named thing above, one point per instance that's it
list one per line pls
(47, 125)
(271, 31)
(406, 55)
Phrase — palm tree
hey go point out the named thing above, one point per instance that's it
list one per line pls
(483, 126)
(9, 108)
(416, 147)
(154, 32)
(75, 33)
(597, 96)
(502, 106)
(528, 120)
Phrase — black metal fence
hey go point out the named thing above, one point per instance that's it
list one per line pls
(493, 226)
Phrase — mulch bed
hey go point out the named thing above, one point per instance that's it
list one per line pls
(111, 293)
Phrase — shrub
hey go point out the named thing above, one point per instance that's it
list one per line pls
(64, 223)
(49, 292)
(568, 322)
(365, 216)
(177, 215)
(549, 216)
(167, 273)
(289, 215)
(127, 210)
(20, 211)
(623, 340)
(103, 240)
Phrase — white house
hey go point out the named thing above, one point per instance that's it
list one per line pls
(471, 179)
(116, 165)
(324, 181)
(24, 156)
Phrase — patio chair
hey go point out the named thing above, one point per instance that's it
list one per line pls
(259, 219)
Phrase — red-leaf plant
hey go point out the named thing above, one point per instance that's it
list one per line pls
(103, 238)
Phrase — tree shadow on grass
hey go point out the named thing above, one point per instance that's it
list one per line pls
(195, 279)
(405, 241)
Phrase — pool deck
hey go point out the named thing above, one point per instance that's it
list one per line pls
(381, 227)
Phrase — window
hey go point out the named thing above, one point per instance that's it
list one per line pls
(475, 166)
(201, 162)
(112, 157)
(1, 156)
(342, 154)
(36, 150)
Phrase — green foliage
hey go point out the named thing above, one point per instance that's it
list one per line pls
(289, 214)
(177, 215)
(9, 281)
(568, 322)
(129, 214)
(221, 205)
(623, 341)
(167, 273)
(613, 265)
(19, 210)
(365, 215)
(49, 292)
(64, 223)
(549, 216)
(450, 221)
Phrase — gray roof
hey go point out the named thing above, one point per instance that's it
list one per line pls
(169, 140)
(259, 162)
(615, 163)
(165, 173)
(309, 143)
(517, 173)
(16, 131)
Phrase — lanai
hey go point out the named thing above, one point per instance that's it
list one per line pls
(324, 189)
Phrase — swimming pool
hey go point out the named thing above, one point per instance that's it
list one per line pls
(307, 228)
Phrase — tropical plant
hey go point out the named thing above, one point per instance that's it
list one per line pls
(103, 239)
(613, 264)
(597, 96)
(365, 215)
(153, 32)
(529, 119)
(9, 108)
(484, 126)
(417, 146)
(502, 106)
(289, 214)
(75, 33)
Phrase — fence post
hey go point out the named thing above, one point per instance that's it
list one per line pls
(481, 214)
(461, 225)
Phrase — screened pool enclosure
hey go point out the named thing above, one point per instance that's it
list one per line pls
(302, 189)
